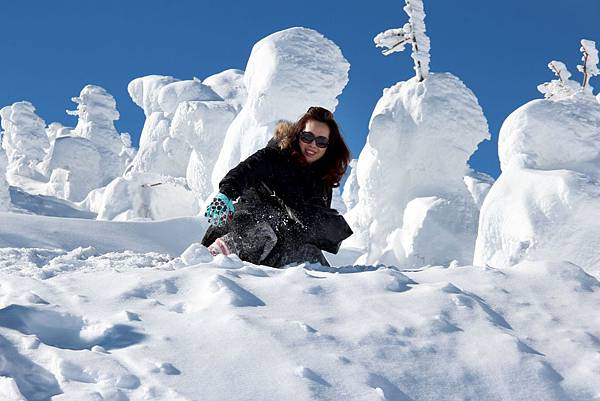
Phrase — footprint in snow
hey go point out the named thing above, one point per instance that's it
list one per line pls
(311, 375)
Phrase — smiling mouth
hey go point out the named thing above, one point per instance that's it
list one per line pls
(310, 153)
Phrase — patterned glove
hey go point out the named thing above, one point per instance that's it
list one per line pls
(220, 211)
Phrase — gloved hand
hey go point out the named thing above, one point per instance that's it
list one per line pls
(220, 211)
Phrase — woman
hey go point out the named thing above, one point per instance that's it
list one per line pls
(283, 214)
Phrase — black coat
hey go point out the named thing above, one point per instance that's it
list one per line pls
(297, 189)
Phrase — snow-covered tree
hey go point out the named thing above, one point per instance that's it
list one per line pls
(413, 33)
(24, 139)
(4, 195)
(589, 68)
(561, 87)
(97, 112)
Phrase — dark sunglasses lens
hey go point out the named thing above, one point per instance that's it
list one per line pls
(322, 142)
(307, 137)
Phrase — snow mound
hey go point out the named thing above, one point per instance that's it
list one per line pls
(76, 167)
(414, 157)
(143, 196)
(170, 237)
(546, 203)
(287, 72)
(24, 139)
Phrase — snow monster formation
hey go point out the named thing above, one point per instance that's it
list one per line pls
(546, 203)
(24, 139)
(4, 194)
(287, 72)
(413, 206)
(93, 153)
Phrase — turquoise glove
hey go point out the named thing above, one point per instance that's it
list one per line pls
(220, 211)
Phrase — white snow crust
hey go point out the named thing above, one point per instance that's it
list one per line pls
(413, 206)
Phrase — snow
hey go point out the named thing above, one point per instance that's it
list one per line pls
(143, 196)
(411, 172)
(4, 195)
(88, 324)
(24, 139)
(229, 84)
(561, 87)
(546, 203)
(284, 76)
(202, 125)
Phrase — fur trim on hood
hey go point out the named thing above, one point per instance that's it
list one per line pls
(284, 134)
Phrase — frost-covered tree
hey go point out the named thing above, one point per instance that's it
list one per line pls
(561, 87)
(4, 195)
(24, 140)
(589, 68)
(413, 33)
(97, 112)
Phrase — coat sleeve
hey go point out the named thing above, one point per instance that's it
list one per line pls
(248, 173)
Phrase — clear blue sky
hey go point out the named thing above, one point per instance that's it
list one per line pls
(500, 49)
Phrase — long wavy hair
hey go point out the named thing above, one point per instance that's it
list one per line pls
(334, 162)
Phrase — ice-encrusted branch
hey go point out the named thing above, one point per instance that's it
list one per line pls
(589, 68)
(413, 32)
(561, 87)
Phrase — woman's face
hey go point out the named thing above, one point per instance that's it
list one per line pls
(311, 151)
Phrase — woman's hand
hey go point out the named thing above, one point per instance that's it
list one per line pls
(220, 211)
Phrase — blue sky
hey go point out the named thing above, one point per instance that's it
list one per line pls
(500, 49)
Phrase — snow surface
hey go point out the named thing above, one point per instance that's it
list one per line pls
(95, 322)
(413, 205)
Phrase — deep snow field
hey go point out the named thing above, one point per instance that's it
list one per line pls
(102, 323)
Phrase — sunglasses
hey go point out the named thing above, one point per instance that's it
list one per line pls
(321, 141)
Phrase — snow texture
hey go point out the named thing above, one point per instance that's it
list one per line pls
(478, 184)
(202, 125)
(24, 139)
(413, 206)
(105, 324)
(230, 85)
(287, 72)
(546, 203)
